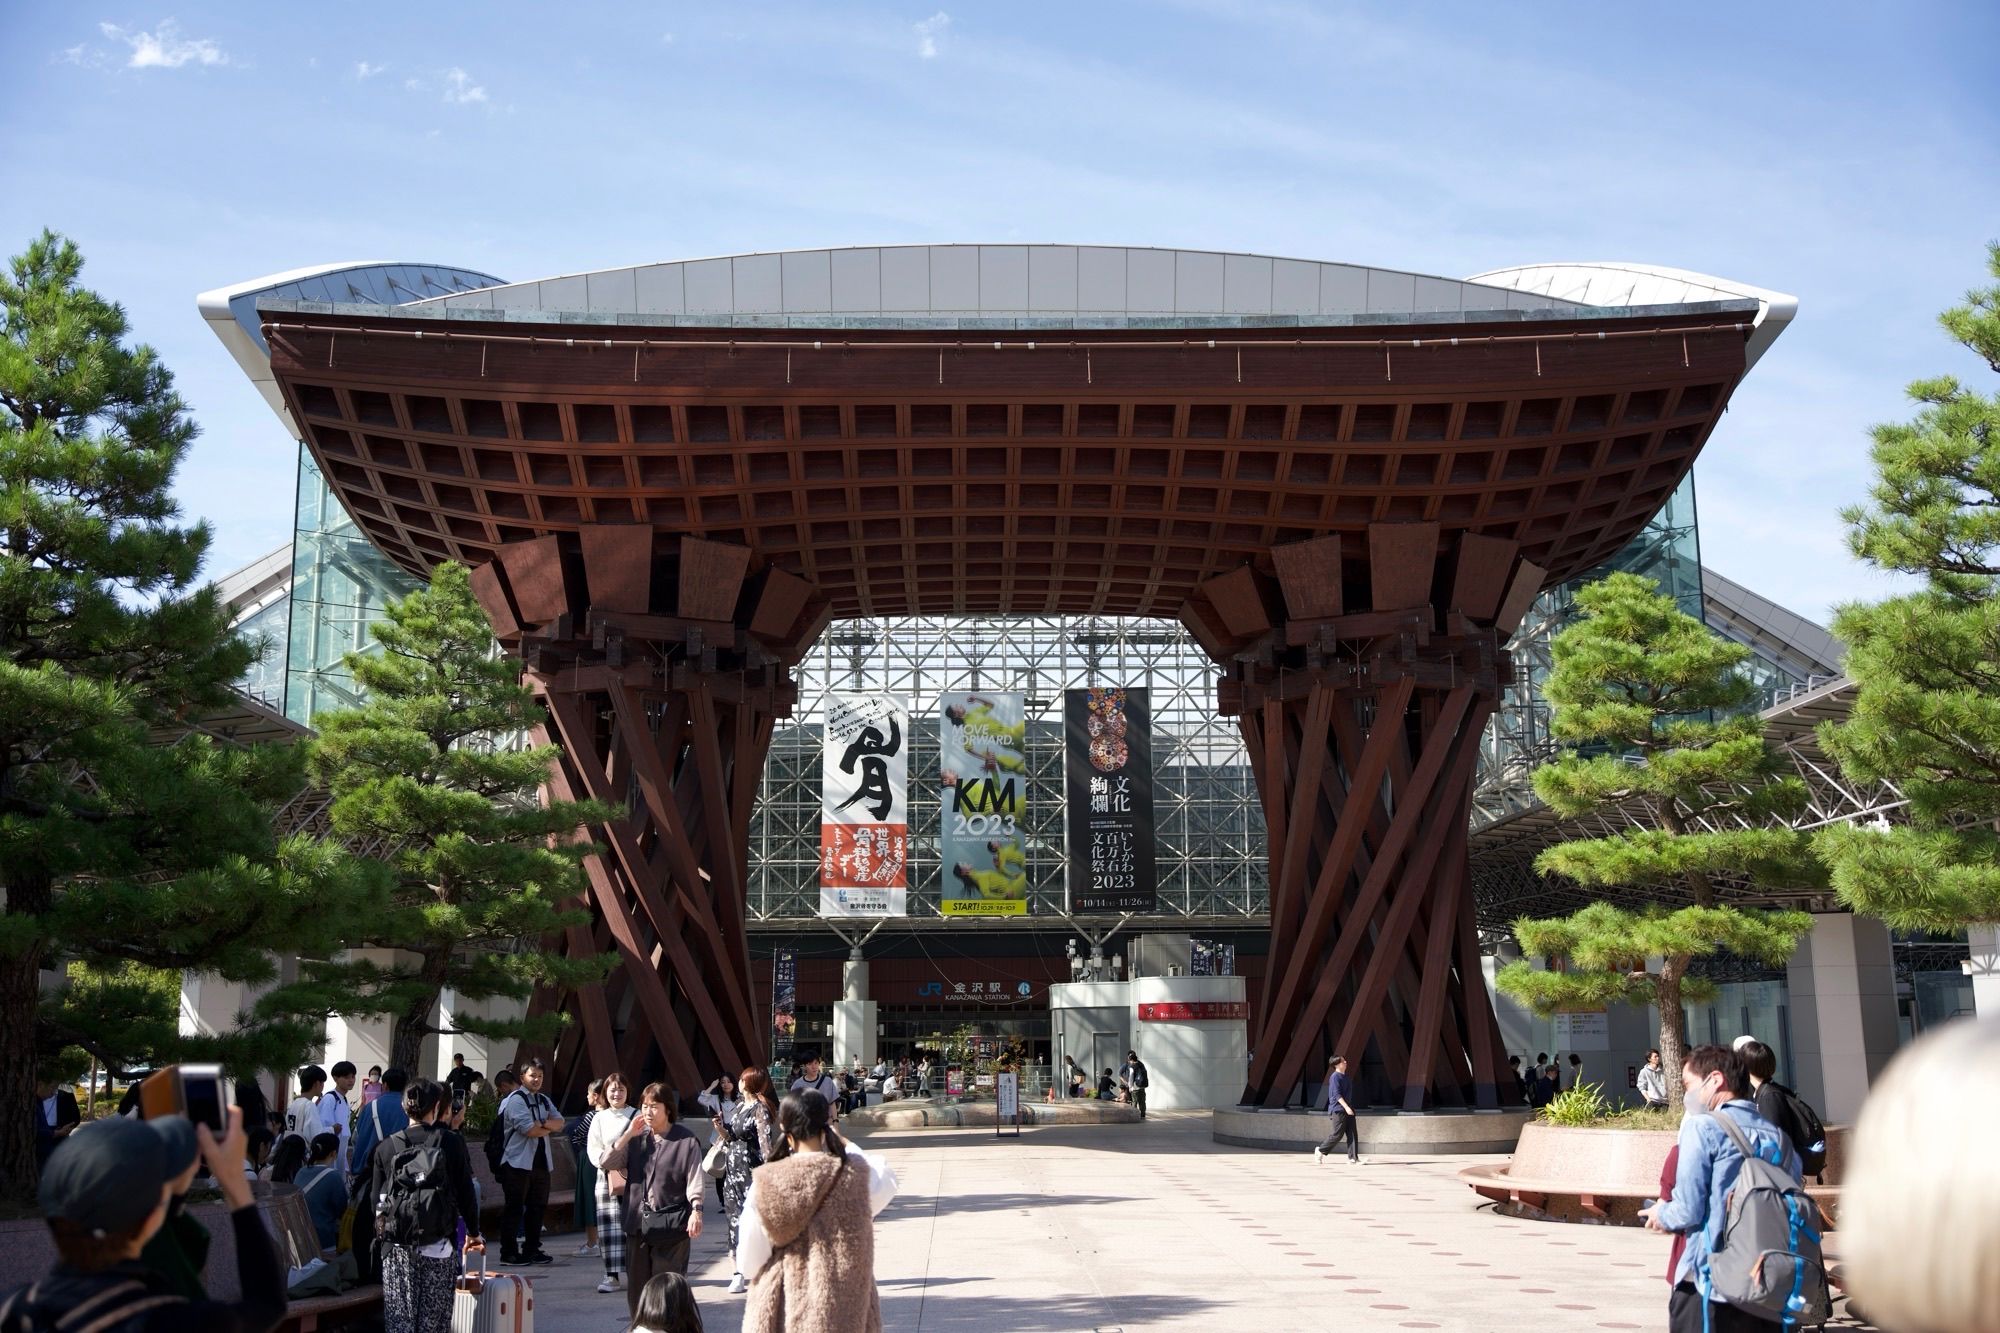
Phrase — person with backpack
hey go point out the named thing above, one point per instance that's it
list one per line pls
(526, 1163)
(1136, 1079)
(383, 1117)
(420, 1188)
(324, 1186)
(1727, 1273)
(1783, 1107)
(107, 1192)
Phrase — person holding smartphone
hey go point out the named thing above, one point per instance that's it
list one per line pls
(107, 1191)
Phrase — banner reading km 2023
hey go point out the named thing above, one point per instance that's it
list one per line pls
(983, 779)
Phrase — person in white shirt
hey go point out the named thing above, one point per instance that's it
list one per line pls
(335, 1113)
(302, 1116)
(818, 1080)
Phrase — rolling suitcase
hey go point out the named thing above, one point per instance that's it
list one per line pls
(483, 1301)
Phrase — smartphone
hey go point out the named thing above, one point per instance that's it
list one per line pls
(202, 1093)
(458, 1101)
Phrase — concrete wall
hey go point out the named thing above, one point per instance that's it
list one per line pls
(1190, 1063)
(1842, 984)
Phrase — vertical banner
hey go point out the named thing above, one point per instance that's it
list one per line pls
(1108, 778)
(784, 1004)
(983, 782)
(864, 828)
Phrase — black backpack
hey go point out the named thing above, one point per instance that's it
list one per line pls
(496, 1137)
(421, 1209)
(1802, 1126)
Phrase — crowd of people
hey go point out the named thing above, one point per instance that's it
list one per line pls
(387, 1177)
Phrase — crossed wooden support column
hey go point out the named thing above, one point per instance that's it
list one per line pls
(1362, 673)
(663, 661)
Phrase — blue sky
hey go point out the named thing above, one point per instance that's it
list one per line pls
(1846, 154)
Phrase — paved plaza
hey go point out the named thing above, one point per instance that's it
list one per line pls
(1155, 1226)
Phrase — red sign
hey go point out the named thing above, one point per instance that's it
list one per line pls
(1177, 1011)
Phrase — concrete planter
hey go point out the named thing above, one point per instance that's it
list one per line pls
(1438, 1133)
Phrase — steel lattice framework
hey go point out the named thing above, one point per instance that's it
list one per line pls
(1210, 826)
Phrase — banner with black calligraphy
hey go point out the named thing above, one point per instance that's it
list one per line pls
(784, 1003)
(983, 782)
(864, 827)
(1108, 780)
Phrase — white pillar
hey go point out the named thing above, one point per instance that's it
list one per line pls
(854, 1017)
(211, 1006)
(482, 1053)
(1984, 969)
(1842, 991)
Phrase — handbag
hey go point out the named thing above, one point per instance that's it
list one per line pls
(715, 1162)
(657, 1224)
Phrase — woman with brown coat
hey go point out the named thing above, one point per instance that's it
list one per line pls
(807, 1238)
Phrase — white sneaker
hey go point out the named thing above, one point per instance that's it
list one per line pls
(1319, 1156)
(585, 1251)
(610, 1284)
(737, 1286)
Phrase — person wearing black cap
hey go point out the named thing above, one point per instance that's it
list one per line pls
(105, 1193)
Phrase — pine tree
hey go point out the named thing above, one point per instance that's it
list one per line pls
(1661, 710)
(483, 871)
(1926, 713)
(114, 849)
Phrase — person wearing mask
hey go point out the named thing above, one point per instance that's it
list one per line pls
(1549, 1084)
(1716, 1084)
(324, 1185)
(666, 1306)
(577, 1131)
(1135, 1078)
(750, 1129)
(1918, 1225)
(1340, 1110)
(384, 1117)
(371, 1087)
(336, 1113)
(659, 1162)
(807, 1241)
(106, 1193)
(1653, 1083)
(607, 1129)
(417, 1227)
(525, 1165)
(821, 1082)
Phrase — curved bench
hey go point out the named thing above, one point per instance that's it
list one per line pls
(1605, 1175)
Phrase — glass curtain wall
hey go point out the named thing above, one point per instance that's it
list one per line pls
(340, 585)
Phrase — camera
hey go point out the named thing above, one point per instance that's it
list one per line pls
(458, 1101)
(200, 1092)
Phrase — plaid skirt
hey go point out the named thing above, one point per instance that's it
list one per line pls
(610, 1225)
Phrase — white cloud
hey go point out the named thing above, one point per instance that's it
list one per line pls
(460, 89)
(928, 33)
(413, 85)
(165, 48)
(364, 70)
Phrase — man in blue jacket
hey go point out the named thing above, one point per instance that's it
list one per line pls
(1717, 1083)
(1340, 1110)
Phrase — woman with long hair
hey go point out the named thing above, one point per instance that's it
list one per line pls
(807, 1238)
(607, 1126)
(666, 1305)
(719, 1100)
(750, 1129)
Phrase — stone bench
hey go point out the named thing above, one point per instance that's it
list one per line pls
(314, 1313)
(1415, 1133)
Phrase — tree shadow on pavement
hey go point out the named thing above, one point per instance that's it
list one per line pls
(1054, 1314)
